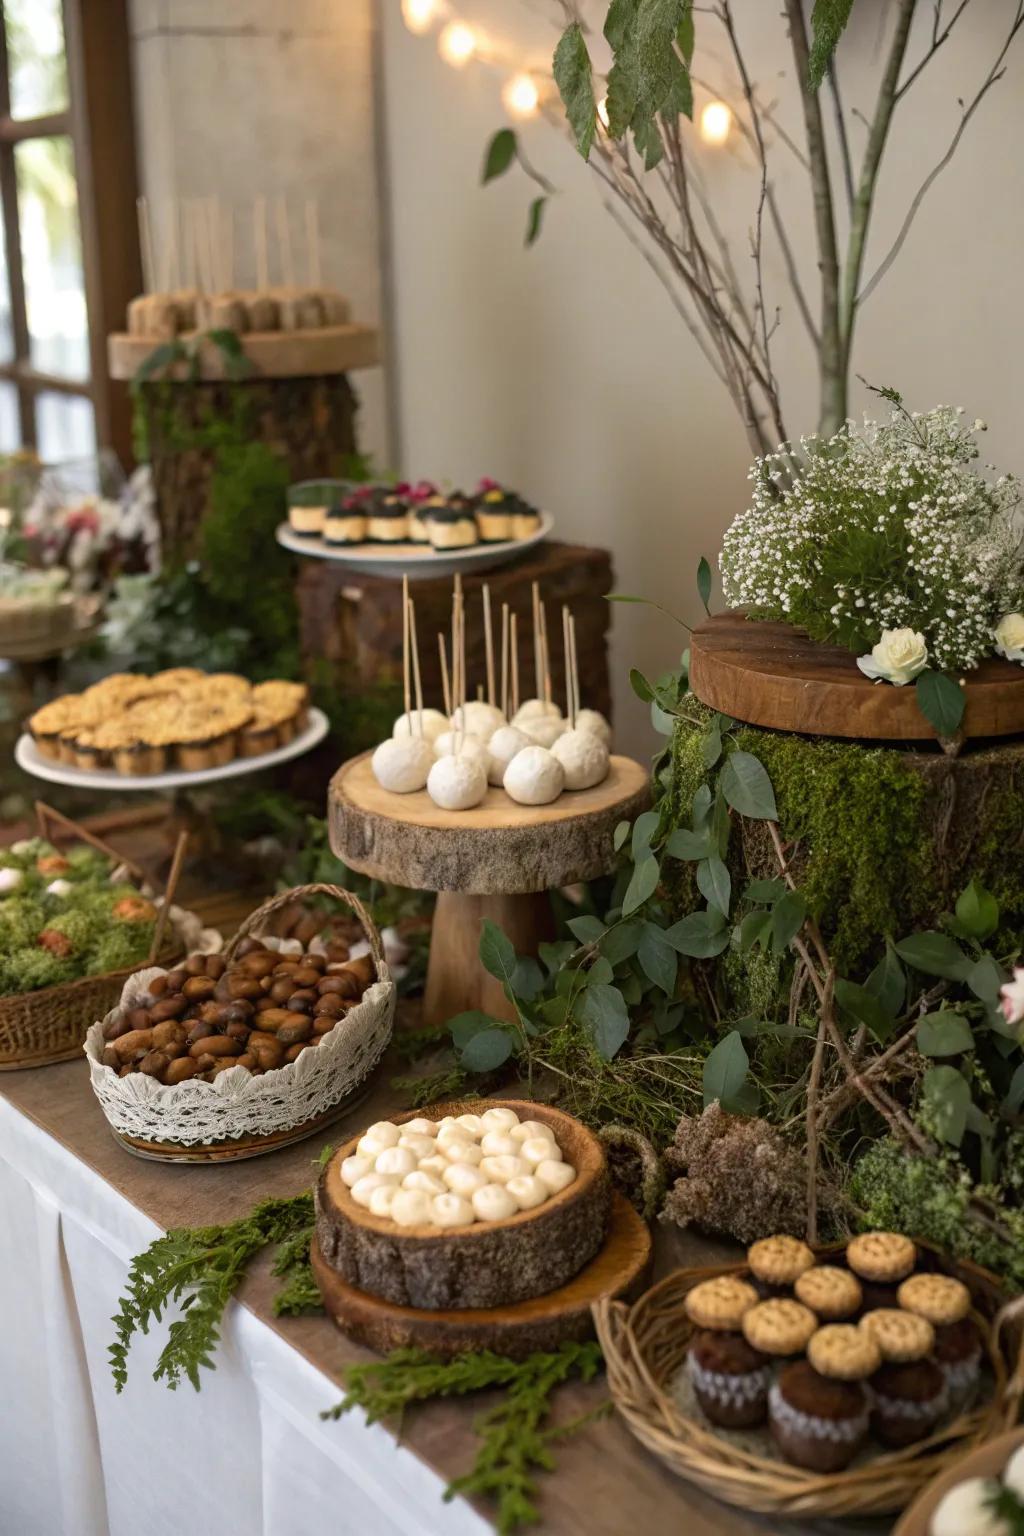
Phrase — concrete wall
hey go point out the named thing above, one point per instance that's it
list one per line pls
(237, 98)
(565, 369)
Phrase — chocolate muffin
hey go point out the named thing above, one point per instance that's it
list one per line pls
(908, 1400)
(817, 1422)
(958, 1354)
(730, 1379)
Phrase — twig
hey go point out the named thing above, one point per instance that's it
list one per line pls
(841, 134)
(813, 1088)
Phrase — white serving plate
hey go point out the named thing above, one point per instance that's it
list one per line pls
(28, 756)
(412, 560)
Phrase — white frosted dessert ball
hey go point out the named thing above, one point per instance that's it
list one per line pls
(458, 1151)
(480, 719)
(498, 1170)
(420, 1127)
(396, 1160)
(965, 1510)
(365, 1187)
(383, 1131)
(534, 777)
(594, 723)
(584, 759)
(409, 725)
(544, 730)
(436, 1164)
(372, 1146)
(1013, 1473)
(492, 1202)
(533, 709)
(450, 1210)
(554, 1176)
(464, 1179)
(456, 743)
(402, 764)
(470, 1125)
(381, 1199)
(501, 749)
(419, 1146)
(498, 1144)
(527, 1130)
(457, 783)
(540, 1149)
(527, 1191)
(499, 1118)
(412, 1208)
(425, 1181)
(355, 1168)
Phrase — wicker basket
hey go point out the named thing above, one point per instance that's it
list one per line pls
(645, 1345)
(239, 1114)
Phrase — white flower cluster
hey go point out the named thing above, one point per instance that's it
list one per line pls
(884, 527)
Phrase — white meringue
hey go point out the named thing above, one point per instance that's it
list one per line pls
(402, 764)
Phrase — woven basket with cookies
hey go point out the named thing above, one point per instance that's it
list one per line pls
(817, 1382)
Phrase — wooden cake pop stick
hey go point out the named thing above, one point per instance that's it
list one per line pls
(415, 647)
(146, 245)
(504, 660)
(488, 644)
(575, 670)
(445, 690)
(567, 653)
(259, 233)
(313, 242)
(545, 661)
(514, 701)
(406, 694)
(538, 671)
(284, 243)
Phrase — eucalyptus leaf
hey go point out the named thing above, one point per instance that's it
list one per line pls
(602, 1009)
(944, 1034)
(725, 1069)
(935, 955)
(703, 568)
(500, 153)
(788, 916)
(535, 220)
(554, 956)
(888, 983)
(574, 77)
(985, 979)
(465, 1025)
(527, 978)
(747, 787)
(684, 844)
(657, 957)
(755, 929)
(620, 834)
(640, 686)
(599, 970)
(621, 941)
(714, 883)
(497, 955)
(947, 1095)
(701, 935)
(941, 701)
(644, 829)
(765, 890)
(642, 885)
(711, 746)
(1015, 1094)
(978, 911)
(661, 720)
(701, 807)
(588, 929)
(863, 1007)
(486, 1051)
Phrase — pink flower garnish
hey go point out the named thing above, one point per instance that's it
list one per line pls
(1012, 997)
(422, 490)
(487, 484)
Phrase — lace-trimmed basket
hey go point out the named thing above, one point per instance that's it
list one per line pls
(645, 1346)
(240, 1115)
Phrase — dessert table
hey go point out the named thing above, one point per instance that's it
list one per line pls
(248, 1456)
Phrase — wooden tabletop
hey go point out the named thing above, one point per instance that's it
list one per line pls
(606, 1484)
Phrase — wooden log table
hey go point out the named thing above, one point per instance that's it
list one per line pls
(496, 861)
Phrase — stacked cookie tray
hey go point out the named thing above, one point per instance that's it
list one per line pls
(182, 718)
(816, 1382)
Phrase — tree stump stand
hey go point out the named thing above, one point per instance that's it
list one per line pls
(496, 861)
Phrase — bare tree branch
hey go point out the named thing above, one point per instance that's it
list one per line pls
(841, 134)
(966, 113)
(939, 36)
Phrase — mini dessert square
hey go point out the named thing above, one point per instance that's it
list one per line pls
(346, 522)
(451, 523)
(387, 516)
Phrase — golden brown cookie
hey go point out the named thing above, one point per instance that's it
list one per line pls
(830, 1292)
(779, 1260)
(939, 1298)
(844, 1352)
(881, 1256)
(779, 1327)
(720, 1303)
(901, 1336)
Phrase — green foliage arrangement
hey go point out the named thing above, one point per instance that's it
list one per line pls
(60, 922)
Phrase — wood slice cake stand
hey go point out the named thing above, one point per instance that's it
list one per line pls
(513, 1286)
(774, 675)
(496, 861)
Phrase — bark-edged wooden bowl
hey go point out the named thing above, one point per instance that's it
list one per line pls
(488, 1264)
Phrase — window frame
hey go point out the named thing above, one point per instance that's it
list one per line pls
(99, 122)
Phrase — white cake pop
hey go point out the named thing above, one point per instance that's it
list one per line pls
(595, 724)
(457, 783)
(554, 1176)
(492, 1202)
(501, 749)
(966, 1510)
(457, 744)
(532, 709)
(401, 764)
(451, 1211)
(434, 722)
(544, 730)
(1013, 1473)
(479, 719)
(583, 757)
(533, 777)
(526, 1191)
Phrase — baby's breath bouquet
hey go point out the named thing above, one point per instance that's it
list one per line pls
(885, 538)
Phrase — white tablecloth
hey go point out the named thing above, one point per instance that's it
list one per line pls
(248, 1456)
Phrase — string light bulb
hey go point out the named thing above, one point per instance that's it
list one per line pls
(420, 15)
(457, 44)
(715, 123)
(521, 96)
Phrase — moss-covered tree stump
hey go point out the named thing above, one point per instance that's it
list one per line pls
(882, 839)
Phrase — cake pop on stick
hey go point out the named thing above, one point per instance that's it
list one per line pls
(538, 707)
(507, 740)
(590, 721)
(429, 723)
(458, 781)
(582, 755)
(402, 763)
(544, 729)
(446, 691)
(483, 717)
(514, 637)
(504, 659)
(457, 739)
(488, 644)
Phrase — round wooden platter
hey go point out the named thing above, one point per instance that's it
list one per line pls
(241, 1147)
(620, 1269)
(986, 1460)
(272, 354)
(774, 675)
(499, 847)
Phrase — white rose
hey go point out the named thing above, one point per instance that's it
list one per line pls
(59, 888)
(897, 658)
(1012, 997)
(1009, 637)
(10, 879)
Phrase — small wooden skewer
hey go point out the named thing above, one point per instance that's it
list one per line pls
(169, 267)
(446, 691)
(313, 242)
(504, 660)
(575, 670)
(146, 245)
(545, 660)
(488, 644)
(284, 243)
(514, 701)
(415, 646)
(538, 673)
(259, 233)
(406, 696)
(567, 653)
